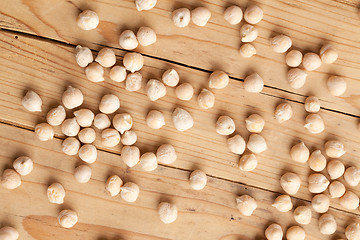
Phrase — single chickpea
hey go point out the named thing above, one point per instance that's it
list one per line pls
(166, 154)
(184, 91)
(248, 33)
(253, 83)
(155, 119)
(334, 149)
(56, 116)
(128, 40)
(247, 50)
(314, 123)
(106, 57)
(148, 161)
(70, 127)
(8, 233)
(145, 4)
(94, 72)
(146, 36)
(299, 153)
(67, 218)
(312, 104)
(246, 205)
(327, 224)
(311, 61)
(236, 144)
(72, 97)
(133, 82)
(328, 54)
(248, 162)
(70, 146)
(280, 43)
(335, 169)
(101, 121)
(181, 17)
(320, 203)
(44, 131)
(83, 56)
(254, 123)
(200, 16)
(155, 89)
(182, 119)
(170, 77)
(32, 101)
(290, 182)
(130, 155)
(87, 135)
(10, 179)
(293, 58)
(336, 85)
(167, 212)
(110, 137)
(109, 104)
(197, 180)
(253, 14)
(133, 61)
(317, 161)
(352, 231)
(283, 112)
(296, 78)
(206, 99)
(128, 138)
(118, 73)
(336, 189)
(317, 183)
(295, 233)
(56, 193)
(129, 192)
(225, 125)
(88, 153)
(23, 165)
(274, 232)
(113, 185)
(302, 215)
(233, 15)
(352, 176)
(87, 20)
(218, 80)
(283, 203)
(82, 173)
(84, 117)
(349, 201)
(256, 143)
(122, 122)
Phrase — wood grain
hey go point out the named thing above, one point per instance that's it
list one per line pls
(309, 23)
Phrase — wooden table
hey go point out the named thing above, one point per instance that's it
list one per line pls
(37, 40)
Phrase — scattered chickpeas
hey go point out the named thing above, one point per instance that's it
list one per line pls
(335, 169)
(236, 144)
(206, 99)
(84, 117)
(283, 203)
(283, 112)
(184, 91)
(32, 101)
(10, 179)
(317, 161)
(87, 20)
(155, 119)
(129, 192)
(133, 61)
(122, 122)
(280, 43)
(314, 123)
(352, 176)
(23, 165)
(256, 143)
(247, 50)
(94, 72)
(56, 116)
(101, 121)
(336, 85)
(82, 173)
(133, 82)
(110, 137)
(128, 40)
(248, 162)
(246, 205)
(218, 80)
(166, 154)
(336, 189)
(293, 58)
(87, 135)
(155, 89)
(295, 233)
(197, 180)
(225, 125)
(181, 17)
(296, 78)
(320, 203)
(200, 16)
(290, 182)
(349, 201)
(253, 14)
(248, 33)
(130, 155)
(113, 185)
(312, 104)
(109, 104)
(129, 138)
(88, 153)
(70, 146)
(302, 215)
(72, 97)
(233, 15)
(145, 4)
(170, 77)
(253, 83)
(106, 57)
(148, 161)
(317, 183)
(56, 193)
(311, 61)
(146, 36)
(299, 153)
(274, 232)
(334, 149)
(182, 119)
(327, 224)
(67, 218)
(118, 73)
(44, 131)
(328, 54)
(83, 56)
(8, 233)
(167, 212)
(352, 231)
(70, 127)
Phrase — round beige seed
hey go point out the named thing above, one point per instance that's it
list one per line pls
(225, 125)
(317, 183)
(312, 104)
(335, 169)
(280, 43)
(44, 131)
(206, 99)
(296, 78)
(314, 123)
(67, 218)
(336, 189)
(248, 162)
(246, 205)
(317, 161)
(130, 155)
(110, 137)
(70, 146)
(320, 203)
(302, 215)
(311, 61)
(236, 144)
(87, 20)
(255, 123)
(184, 91)
(293, 58)
(299, 153)
(283, 112)
(218, 80)
(256, 143)
(283, 203)
(233, 15)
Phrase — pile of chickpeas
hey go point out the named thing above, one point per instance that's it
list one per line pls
(80, 128)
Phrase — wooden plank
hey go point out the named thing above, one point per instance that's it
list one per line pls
(49, 68)
(207, 214)
(308, 23)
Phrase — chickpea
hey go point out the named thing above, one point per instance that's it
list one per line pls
(155, 89)
(280, 43)
(70, 127)
(317, 183)
(336, 189)
(110, 137)
(233, 15)
(335, 169)
(182, 119)
(181, 17)
(225, 125)
(56, 193)
(283, 203)
(82, 173)
(72, 97)
(88, 153)
(118, 73)
(293, 58)
(349, 201)
(290, 182)
(109, 104)
(254, 123)
(302, 215)
(283, 112)
(145, 4)
(129, 138)
(10, 179)
(166, 154)
(352, 176)
(146, 36)
(334, 149)
(317, 161)
(83, 56)
(94, 72)
(130, 155)
(87, 20)
(56, 116)
(248, 162)
(253, 14)
(320, 203)
(274, 232)
(296, 78)
(106, 57)
(184, 91)
(67, 218)
(328, 54)
(133, 62)
(129, 192)
(44, 131)
(155, 119)
(247, 50)
(218, 80)
(327, 224)
(311, 61)
(312, 104)
(128, 41)
(256, 143)
(122, 122)
(170, 77)
(236, 144)
(113, 185)
(248, 33)
(32, 101)
(299, 153)
(133, 82)
(352, 231)
(87, 135)
(197, 180)
(167, 212)
(101, 121)
(70, 146)
(253, 83)
(148, 161)
(295, 233)
(8, 233)
(200, 16)
(206, 99)
(314, 123)
(336, 85)
(246, 205)
(84, 117)
(23, 165)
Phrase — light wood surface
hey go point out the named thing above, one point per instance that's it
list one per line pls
(48, 66)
